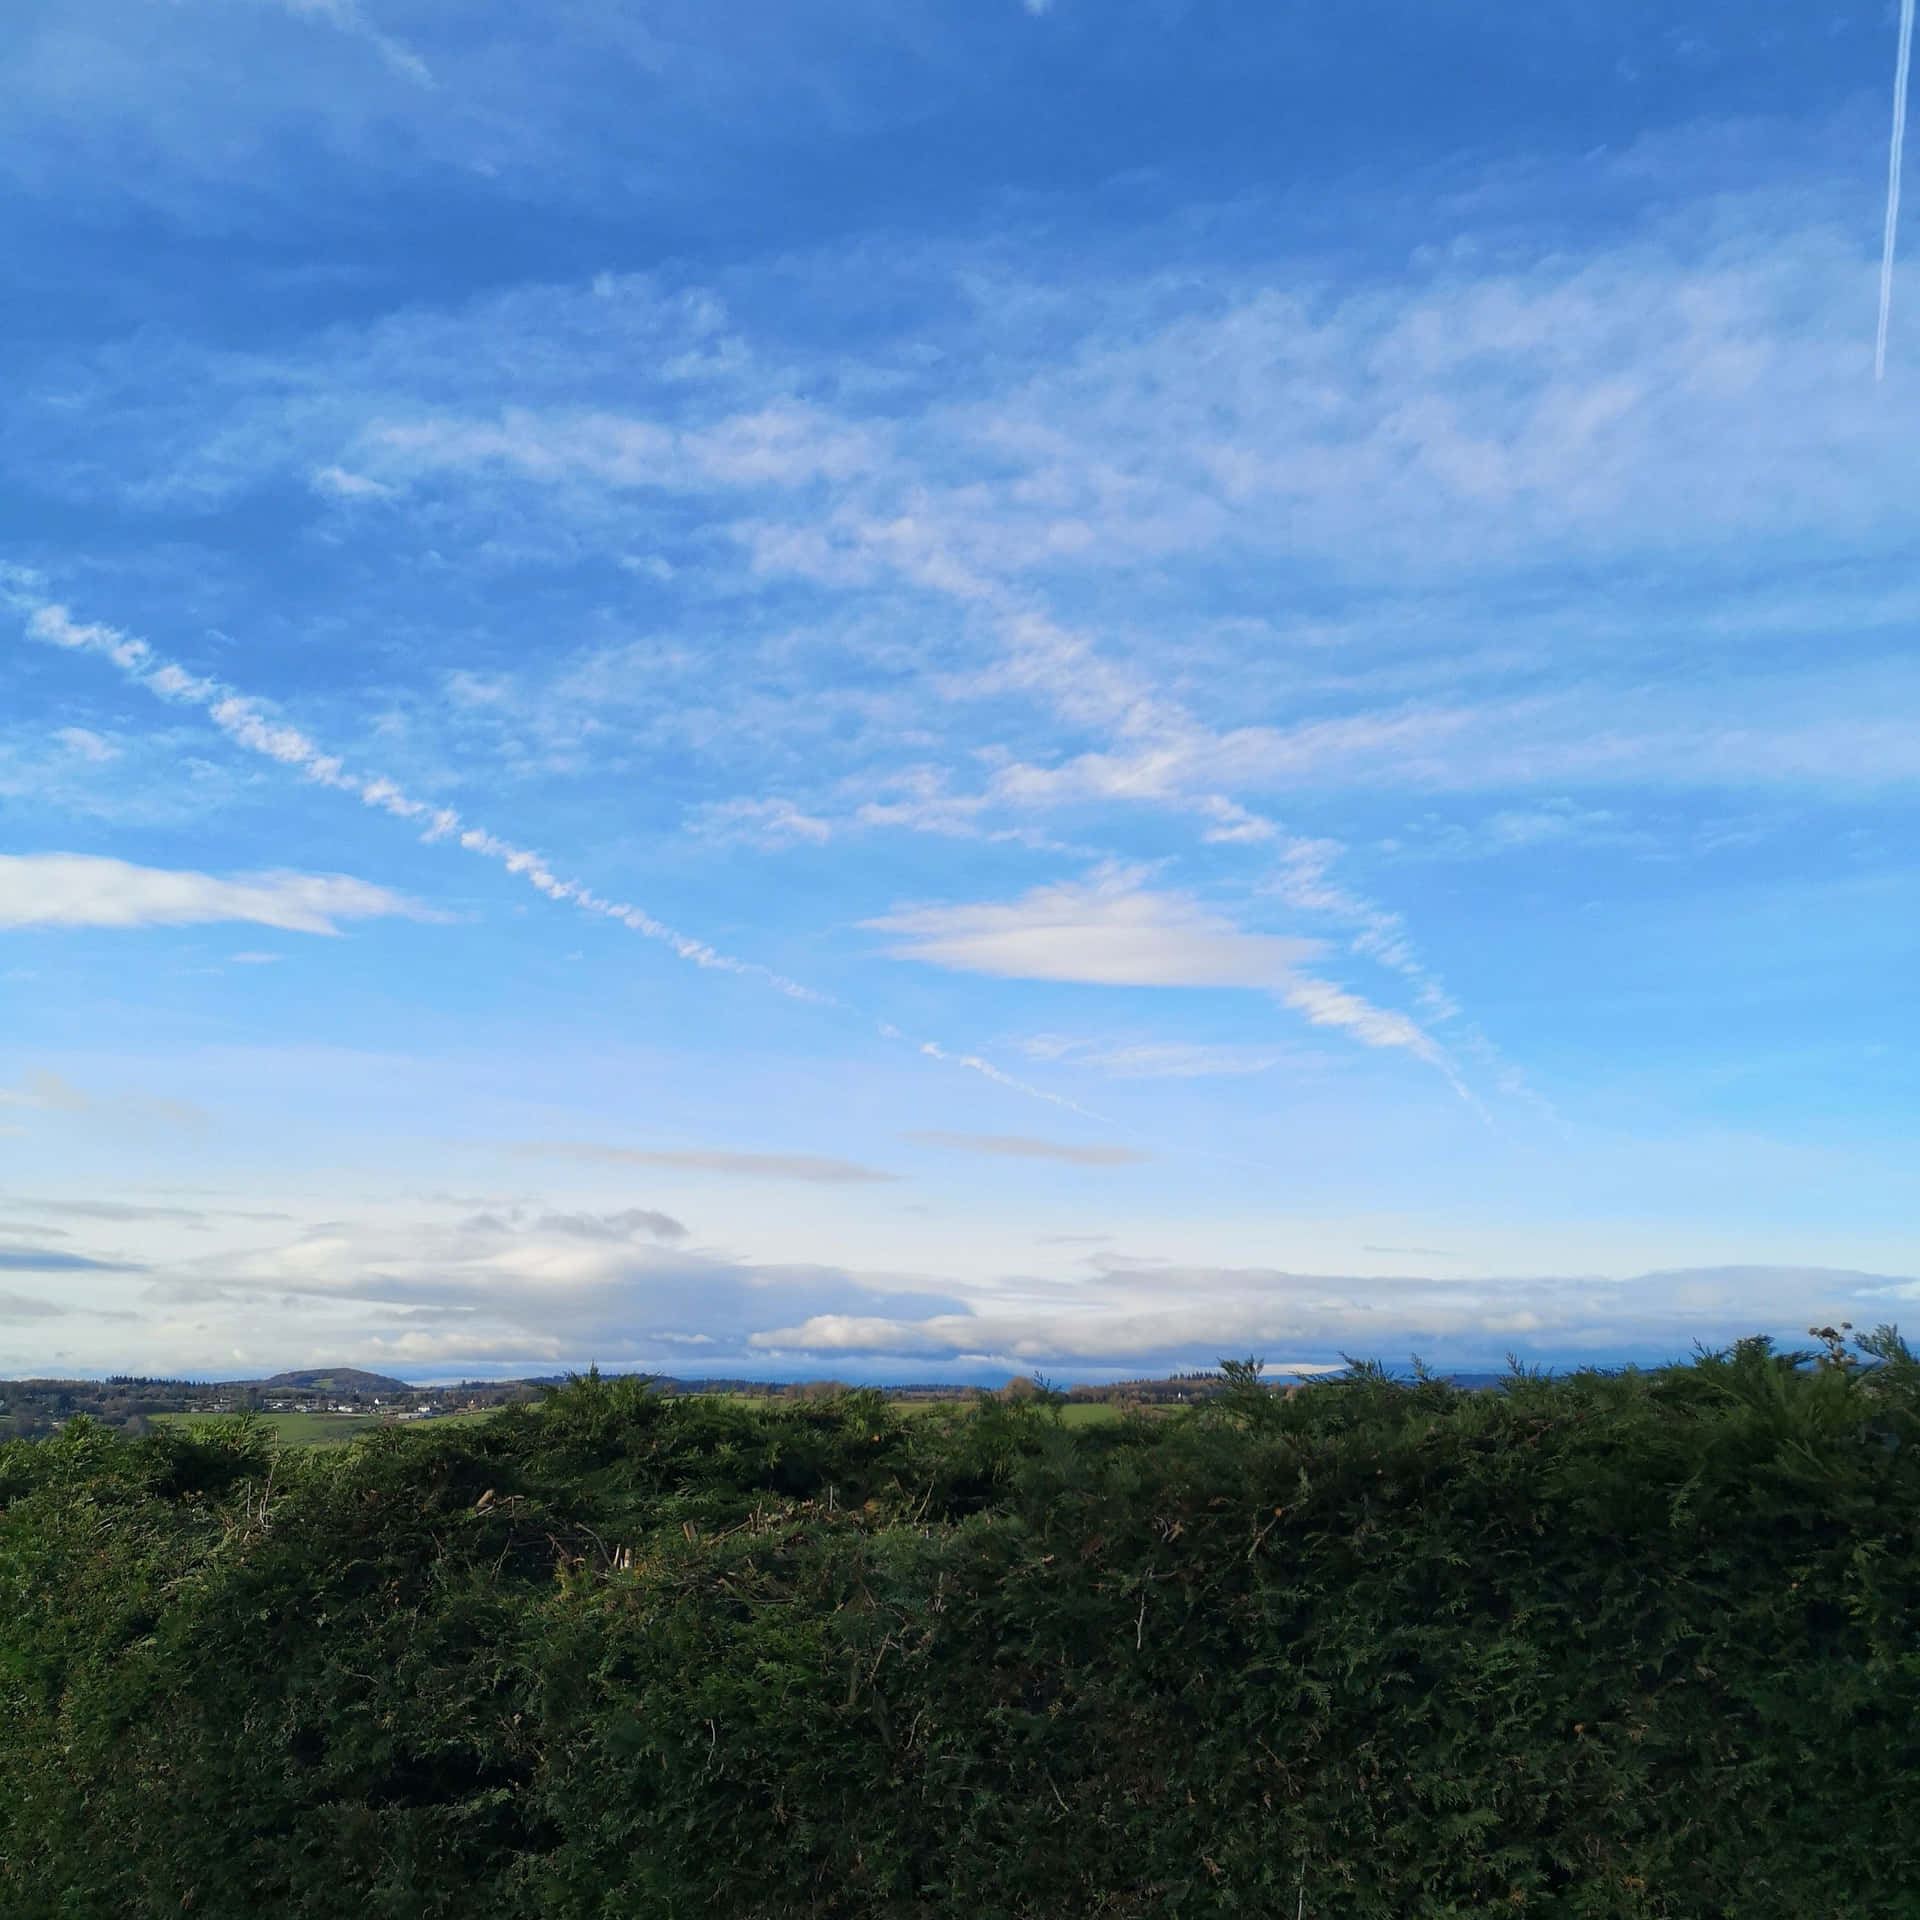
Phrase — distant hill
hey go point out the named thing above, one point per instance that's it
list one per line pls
(337, 1380)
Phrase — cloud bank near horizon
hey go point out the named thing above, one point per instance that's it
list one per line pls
(523, 1288)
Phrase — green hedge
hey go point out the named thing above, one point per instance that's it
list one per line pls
(1627, 1645)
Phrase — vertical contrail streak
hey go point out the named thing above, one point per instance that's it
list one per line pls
(1901, 65)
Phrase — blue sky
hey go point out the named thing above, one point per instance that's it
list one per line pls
(914, 690)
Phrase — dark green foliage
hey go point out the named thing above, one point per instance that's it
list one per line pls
(1637, 1645)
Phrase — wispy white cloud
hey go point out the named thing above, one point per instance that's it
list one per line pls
(1110, 930)
(767, 823)
(87, 745)
(1114, 931)
(997, 1076)
(43, 1089)
(782, 445)
(248, 725)
(1159, 1059)
(86, 890)
(49, 1093)
(53, 1260)
(349, 19)
(350, 486)
(131, 1211)
(1016, 1146)
(820, 1169)
(1554, 823)
(1321, 1004)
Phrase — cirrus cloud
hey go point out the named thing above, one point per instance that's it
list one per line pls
(1019, 1146)
(1106, 931)
(1111, 930)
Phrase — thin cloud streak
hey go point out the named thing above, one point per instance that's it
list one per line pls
(242, 721)
(18, 1307)
(85, 890)
(1016, 1146)
(818, 1168)
(51, 1260)
(1896, 155)
(1112, 931)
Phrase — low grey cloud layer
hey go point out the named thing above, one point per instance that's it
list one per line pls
(1150, 1316)
(627, 1224)
(534, 1288)
(20, 1308)
(557, 1290)
(140, 1212)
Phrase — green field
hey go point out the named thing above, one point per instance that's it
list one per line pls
(288, 1429)
(1078, 1413)
(317, 1429)
(336, 1429)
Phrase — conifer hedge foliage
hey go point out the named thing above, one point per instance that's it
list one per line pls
(1630, 1645)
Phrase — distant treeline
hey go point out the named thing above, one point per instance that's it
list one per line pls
(32, 1409)
(1628, 1645)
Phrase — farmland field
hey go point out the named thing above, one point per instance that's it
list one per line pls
(317, 1429)
(1077, 1413)
(288, 1429)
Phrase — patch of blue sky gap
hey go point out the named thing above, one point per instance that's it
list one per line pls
(1297, 626)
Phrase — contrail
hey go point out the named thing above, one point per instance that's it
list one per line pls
(1900, 67)
(244, 722)
(987, 1070)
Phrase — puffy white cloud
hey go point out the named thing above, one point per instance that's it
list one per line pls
(87, 890)
(553, 1289)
